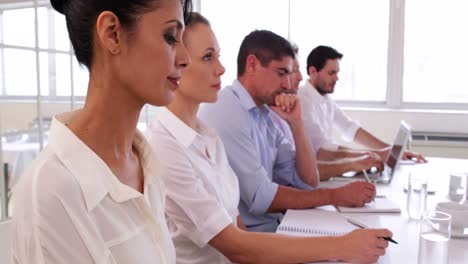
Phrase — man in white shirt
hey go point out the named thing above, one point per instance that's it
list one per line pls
(321, 114)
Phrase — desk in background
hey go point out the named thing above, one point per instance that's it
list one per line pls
(16, 157)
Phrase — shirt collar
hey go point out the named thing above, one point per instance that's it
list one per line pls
(183, 133)
(91, 172)
(178, 129)
(313, 93)
(247, 101)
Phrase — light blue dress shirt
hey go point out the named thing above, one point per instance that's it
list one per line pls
(257, 151)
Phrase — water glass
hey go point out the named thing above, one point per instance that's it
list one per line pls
(456, 189)
(416, 199)
(434, 235)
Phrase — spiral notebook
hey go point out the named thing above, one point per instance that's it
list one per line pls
(314, 222)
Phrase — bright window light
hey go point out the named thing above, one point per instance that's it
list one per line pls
(80, 78)
(436, 51)
(2, 78)
(44, 71)
(62, 41)
(242, 17)
(62, 77)
(20, 72)
(351, 28)
(18, 27)
(43, 27)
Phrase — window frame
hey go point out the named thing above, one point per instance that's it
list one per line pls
(51, 53)
(395, 68)
(395, 63)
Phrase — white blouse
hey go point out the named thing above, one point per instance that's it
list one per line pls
(71, 208)
(321, 114)
(202, 189)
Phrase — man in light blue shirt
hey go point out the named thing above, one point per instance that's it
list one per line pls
(265, 162)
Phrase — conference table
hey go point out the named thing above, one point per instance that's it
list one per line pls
(405, 230)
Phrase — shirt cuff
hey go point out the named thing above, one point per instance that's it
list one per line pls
(300, 184)
(213, 226)
(350, 131)
(329, 145)
(263, 198)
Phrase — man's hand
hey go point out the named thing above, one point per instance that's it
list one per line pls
(408, 155)
(367, 161)
(383, 153)
(354, 194)
(288, 107)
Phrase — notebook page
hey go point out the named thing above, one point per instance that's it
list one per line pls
(380, 205)
(314, 222)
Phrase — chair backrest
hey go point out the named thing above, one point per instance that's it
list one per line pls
(5, 234)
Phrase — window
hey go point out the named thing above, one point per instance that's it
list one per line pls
(62, 74)
(20, 72)
(396, 54)
(436, 51)
(53, 33)
(361, 36)
(80, 78)
(418, 63)
(2, 74)
(310, 23)
(242, 17)
(19, 20)
(55, 59)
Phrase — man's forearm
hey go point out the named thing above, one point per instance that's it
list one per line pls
(340, 153)
(292, 198)
(328, 169)
(365, 138)
(306, 164)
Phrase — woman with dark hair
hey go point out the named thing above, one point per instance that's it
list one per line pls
(94, 194)
(203, 191)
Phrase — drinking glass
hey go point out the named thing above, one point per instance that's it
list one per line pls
(416, 196)
(434, 235)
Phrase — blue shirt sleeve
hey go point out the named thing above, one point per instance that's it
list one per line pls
(234, 126)
(284, 170)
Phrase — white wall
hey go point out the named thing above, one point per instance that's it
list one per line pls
(18, 115)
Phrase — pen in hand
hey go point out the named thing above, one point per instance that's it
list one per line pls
(366, 176)
(361, 225)
(367, 180)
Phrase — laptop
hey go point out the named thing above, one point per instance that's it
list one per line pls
(396, 152)
(393, 159)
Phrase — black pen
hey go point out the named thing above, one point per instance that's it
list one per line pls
(361, 225)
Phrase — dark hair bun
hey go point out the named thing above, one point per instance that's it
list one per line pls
(58, 5)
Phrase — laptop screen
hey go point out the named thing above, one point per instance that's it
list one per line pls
(399, 144)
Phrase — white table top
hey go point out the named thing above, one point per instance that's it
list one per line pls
(406, 231)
